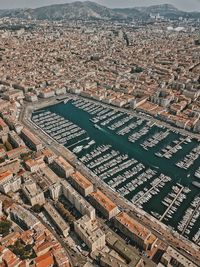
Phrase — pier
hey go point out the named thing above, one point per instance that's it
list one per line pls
(78, 142)
(172, 203)
(189, 219)
(151, 189)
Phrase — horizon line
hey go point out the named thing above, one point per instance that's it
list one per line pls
(71, 2)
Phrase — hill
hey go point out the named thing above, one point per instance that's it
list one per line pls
(90, 10)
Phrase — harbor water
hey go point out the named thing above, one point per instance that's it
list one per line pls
(148, 164)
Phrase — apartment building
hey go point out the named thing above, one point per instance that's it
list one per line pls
(22, 216)
(49, 156)
(81, 183)
(90, 233)
(62, 167)
(77, 200)
(173, 258)
(33, 193)
(12, 165)
(108, 208)
(9, 183)
(15, 140)
(31, 139)
(60, 223)
(34, 165)
(16, 152)
(135, 231)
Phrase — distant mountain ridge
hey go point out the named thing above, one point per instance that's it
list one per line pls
(90, 10)
(158, 8)
(168, 11)
(73, 10)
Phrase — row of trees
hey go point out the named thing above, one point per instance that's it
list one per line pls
(65, 213)
(5, 227)
(6, 146)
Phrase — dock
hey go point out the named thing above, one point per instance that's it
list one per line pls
(185, 227)
(151, 189)
(172, 203)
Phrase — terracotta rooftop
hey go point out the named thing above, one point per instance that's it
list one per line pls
(103, 200)
(134, 226)
(15, 150)
(47, 152)
(61, 161)
(31, 136)
(81, 180)
(45, 260)
(4, 175)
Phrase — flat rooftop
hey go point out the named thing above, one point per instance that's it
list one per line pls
(103, 200)
(56, 217)
(179, 257)
(133, 226)
(63, 163)
(123, 249)
(31, 136)
(48, 153)
(81, 180)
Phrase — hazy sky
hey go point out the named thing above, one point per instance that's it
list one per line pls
(189, 5)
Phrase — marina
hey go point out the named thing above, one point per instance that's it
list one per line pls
(145, 163)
